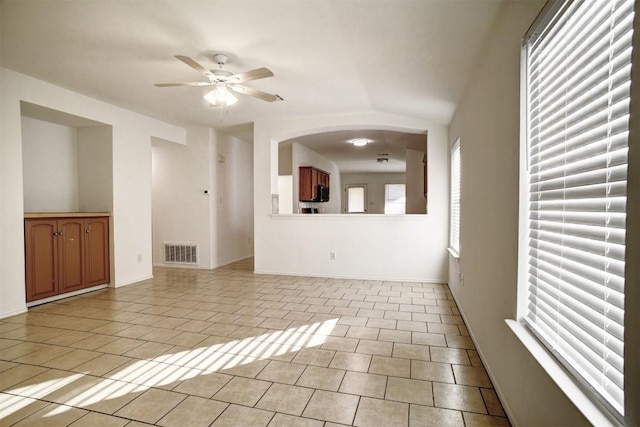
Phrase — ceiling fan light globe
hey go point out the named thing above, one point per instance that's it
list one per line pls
(230, 99)
(220, 95)
(211, 97)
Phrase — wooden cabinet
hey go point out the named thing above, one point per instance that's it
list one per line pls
(96, 251)
(65, 254)
(41, 247)
(310, 178)
(70, 254)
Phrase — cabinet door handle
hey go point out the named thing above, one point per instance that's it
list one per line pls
(86, 231)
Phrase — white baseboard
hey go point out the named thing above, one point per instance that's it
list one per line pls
(13, 313)
(347, 277)
(131, 282)
(66, 295)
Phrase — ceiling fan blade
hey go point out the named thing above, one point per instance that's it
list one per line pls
(259, 73)
(184, 84)
(257, 93)
(193, 64)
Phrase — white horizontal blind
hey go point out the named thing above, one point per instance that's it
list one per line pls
(454, 234)
(394, 199)
(578, 81)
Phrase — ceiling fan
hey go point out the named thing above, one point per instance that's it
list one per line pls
(226, 82)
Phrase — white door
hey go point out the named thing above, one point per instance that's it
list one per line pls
(356, 200)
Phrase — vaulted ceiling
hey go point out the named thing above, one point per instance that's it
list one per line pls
(410, 58)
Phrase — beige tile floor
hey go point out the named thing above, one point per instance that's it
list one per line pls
(226, 347)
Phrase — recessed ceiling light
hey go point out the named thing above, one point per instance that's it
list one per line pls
(360, 142)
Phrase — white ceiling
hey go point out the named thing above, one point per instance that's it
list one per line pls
(391, 145)
(410, 58)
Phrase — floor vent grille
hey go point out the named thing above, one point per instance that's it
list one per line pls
(181, 253)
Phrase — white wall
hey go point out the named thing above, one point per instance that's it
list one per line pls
(180, 208)
(66, 169)
(131, 154)
(49, 166)
(416, 203)
(285, 159)
(303, 156)
(220, 222)
(487, 122)
(411, 247)
(285, 193)
(234, 231)
(375, 187)
(95, 169)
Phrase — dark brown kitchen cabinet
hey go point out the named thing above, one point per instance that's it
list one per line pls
(310, 178)
(65, 254)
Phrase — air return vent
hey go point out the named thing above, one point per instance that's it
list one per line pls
(181, 253)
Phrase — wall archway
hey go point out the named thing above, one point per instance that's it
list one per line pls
(410, 247)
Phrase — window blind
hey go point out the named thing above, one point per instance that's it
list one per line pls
(394, 199)
(454, 238)
(578, 82)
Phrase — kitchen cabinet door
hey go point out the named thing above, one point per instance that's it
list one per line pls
(309, 179)
(41, 259)
(96, 251)
(70, 254)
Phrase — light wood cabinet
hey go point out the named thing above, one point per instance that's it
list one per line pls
(65, 254)
(309, 179)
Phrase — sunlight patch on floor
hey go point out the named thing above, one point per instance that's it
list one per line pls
(171, 368)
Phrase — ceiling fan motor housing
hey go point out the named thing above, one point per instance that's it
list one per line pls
(221, 75)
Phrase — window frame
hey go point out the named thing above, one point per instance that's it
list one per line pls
(364, 198)
(389, 201)
(454, 220)
(580, 394)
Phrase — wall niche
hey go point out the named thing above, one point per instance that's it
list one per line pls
(66, 162)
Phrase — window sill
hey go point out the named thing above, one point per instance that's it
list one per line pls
(574, 392)
(453, 253)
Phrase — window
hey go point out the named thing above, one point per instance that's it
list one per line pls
(577, 82)
(454, 232)
(356, 198)
(394, 199)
